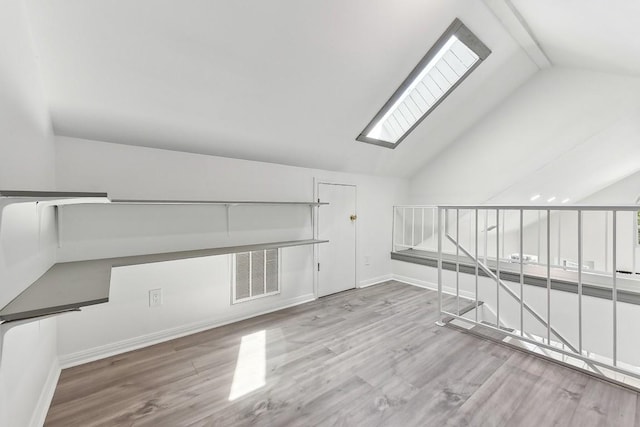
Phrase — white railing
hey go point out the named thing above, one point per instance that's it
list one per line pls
(414, 226)
(558, 237)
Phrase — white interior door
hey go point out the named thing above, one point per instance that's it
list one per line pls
(337, 223)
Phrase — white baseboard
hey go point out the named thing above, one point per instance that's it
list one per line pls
(44, 401)
(375, 280)
(430, 285)
(111, 349)
(415, 282)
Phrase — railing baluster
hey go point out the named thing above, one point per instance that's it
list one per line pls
(548, 277)
(559, 238)
(521, 272)
(539, 239)
(433, 223)
(580, 281)
(498, 267)
(404, 225)
(476, 256)
(422, 227)
(486, 235)
(606, 241)
(413, 227)
(579, 351)
(440, 261)
(614, 288)
(393, 229)
(511, 293)
(504, 223)
(634, 243)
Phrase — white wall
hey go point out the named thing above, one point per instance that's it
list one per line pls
(26, 149)
(196, 296)
(28, 362)
(564, 133)
(597, 230)
(196, 291)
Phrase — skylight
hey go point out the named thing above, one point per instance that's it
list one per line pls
(453, 57)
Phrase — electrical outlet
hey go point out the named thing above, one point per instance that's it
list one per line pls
(367, 260)
(155, 297)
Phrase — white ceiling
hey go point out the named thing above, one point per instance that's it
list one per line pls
(592, 34)
(284, 81)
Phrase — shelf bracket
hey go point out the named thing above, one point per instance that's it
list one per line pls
(7, 326)
(58, 214)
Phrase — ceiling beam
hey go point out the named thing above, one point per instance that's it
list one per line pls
(515, 25)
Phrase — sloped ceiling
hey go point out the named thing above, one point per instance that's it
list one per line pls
(283, 81)
(566, 134)
(590, 34)
(569, 132)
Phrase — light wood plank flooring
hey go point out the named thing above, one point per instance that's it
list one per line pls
(365, 357)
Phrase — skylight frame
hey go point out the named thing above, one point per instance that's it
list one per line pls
(465, 36)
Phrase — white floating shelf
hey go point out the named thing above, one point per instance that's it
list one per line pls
(71, 285)
(212, 202)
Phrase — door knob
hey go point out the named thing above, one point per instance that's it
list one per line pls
(353, 217)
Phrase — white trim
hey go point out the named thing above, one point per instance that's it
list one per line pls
(111, 349)
(430, 285)
(375, 280)
(46, 395)
(635, 229)
(415, 282)
(518, 28)
(316, 253)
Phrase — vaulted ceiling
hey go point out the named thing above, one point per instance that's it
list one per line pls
(569, 131)
(294, 82)
(591, 34)
(284, 81)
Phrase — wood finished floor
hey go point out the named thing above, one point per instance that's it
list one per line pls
(368, 357)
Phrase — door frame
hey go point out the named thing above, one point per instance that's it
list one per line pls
(316, 228)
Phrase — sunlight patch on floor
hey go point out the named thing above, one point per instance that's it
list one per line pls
(250, 373)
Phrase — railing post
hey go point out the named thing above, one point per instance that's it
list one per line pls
(458, 261)
(614, 290)
(498, 267)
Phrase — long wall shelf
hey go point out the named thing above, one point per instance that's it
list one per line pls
(46, 196)
(71, 285)
(8, 197)
(212, 202)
